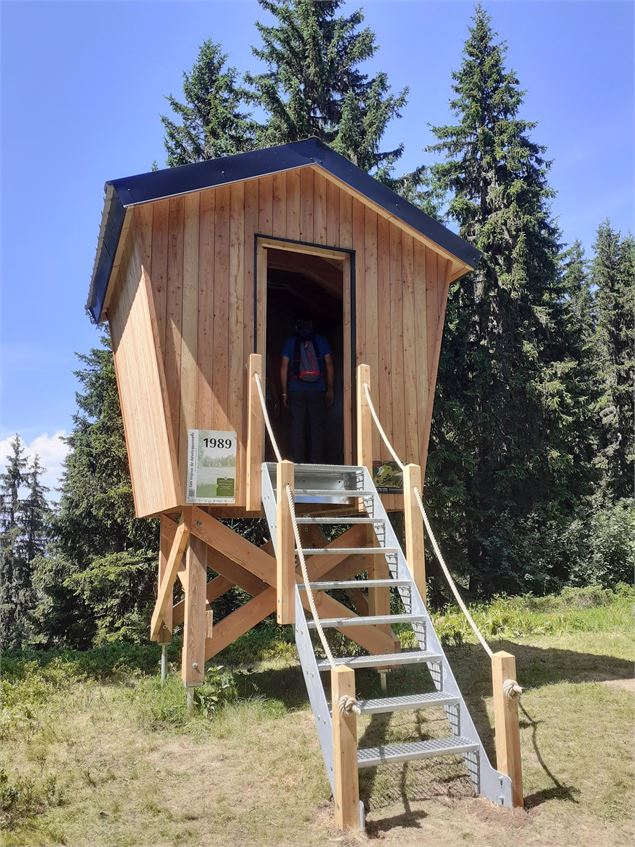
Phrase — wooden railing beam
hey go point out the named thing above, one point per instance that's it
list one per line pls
(285, 546)
(345, 771)
(255, 436)
(413, 525)
(506, 726)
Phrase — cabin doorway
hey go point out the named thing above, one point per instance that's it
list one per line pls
(306, 281)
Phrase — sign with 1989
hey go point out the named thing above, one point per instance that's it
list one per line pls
(211, 466)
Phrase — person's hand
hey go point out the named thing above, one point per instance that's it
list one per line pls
(285, 401)
(329, 398)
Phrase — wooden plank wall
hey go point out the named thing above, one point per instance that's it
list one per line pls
(199, 256)
(139, 379)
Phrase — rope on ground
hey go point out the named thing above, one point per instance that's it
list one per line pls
(448, 576)
(263, 403)
(380, 428)
(305, 577)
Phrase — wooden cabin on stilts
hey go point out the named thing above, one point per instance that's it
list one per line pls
(200, 272)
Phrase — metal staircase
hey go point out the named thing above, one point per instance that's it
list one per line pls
(350, 488)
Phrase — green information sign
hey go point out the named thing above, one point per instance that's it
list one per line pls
(211, 466)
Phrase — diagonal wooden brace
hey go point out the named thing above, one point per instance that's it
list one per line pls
(164, 596)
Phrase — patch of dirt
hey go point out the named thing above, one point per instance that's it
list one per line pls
(626, 684)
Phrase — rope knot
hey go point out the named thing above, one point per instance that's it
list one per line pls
(348, 704)
(511, 689)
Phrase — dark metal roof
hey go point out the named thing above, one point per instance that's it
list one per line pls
(157, 185)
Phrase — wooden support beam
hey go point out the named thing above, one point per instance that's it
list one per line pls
(241, 621)
(215, 588)
(195, 621)
(166, 538)
(285, 546)
(413, 525)
(255, 435)
(163, 604)
(239, 576)
(364, 421)
(345, 772)
(506, 727)
(235, 547)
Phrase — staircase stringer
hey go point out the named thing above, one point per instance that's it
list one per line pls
(489, 782)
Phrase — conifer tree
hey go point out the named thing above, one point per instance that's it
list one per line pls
(212, 120)
(313, 85)
(502, 379)
(12, 564)
(95, 530)
(613, 275)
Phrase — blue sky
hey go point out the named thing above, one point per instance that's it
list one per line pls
(83, 84)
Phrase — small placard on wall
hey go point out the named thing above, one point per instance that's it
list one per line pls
(211, 466)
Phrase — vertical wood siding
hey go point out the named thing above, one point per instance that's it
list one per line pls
(198, 254)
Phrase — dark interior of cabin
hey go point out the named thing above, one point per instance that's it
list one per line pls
(302, 285)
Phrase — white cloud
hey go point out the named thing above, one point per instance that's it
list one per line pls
(52, 452)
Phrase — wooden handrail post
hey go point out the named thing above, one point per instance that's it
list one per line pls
(255, 435)
(415, 555)
(285, 546)
(506, 727)
(364, 420)
(195, 623)
(345, 772)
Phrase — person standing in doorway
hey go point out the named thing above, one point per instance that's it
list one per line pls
(306, 376)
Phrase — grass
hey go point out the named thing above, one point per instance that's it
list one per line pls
(95, 751)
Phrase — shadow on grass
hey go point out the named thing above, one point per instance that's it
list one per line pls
(536, 667)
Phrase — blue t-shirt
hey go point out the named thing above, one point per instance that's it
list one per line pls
(322, 348)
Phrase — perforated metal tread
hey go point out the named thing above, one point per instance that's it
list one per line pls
(349, 551)
(331, 492)
(383, 705)
(340, 519)
(366, 620)
(412, 657)
(356, 583)
(369, 757)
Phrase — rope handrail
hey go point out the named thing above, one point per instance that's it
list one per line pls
(435, 546)
(305, 577)
(296, 531)
(380, 428)
(448, 576)
(265, 414)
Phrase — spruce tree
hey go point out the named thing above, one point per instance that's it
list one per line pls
(313, 85)
(95, 529)
(503, 374)
(211, 121)
(613, 276)
(12, 554)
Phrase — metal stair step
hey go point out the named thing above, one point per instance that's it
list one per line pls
(349, 551)
(370, 757)
(385, 660)
(356, 583)
(332, 492)
(384, 705)
(339, 519)
(366, 620)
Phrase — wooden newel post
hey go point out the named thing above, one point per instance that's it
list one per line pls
(255, 435)
(285, 546)
(345, 772)
(364, 421)
(506, 727)
(415, 556)
(195, 623)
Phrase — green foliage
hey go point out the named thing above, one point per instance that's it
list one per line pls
(212, 121)
(96, 578)
(613, 274)
(220, 687)
(24, 526)
(606, 545)
(511, 448)
(25, 797)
